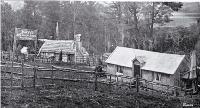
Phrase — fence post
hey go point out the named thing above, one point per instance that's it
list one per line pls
(110, 84)
(137, 83)
(175, 92)
(130, 83)
(34, 77)
(52, 80)
(11, 79)
(152, 89)
(11, 85)
(22, 66)
(95, 83)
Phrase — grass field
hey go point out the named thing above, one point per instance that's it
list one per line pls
(84, 98)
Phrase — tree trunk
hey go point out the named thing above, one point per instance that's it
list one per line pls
(105, 37)
(122, 34)
(151, 28)
(198, 20)
(74, 19)
(138, 36)
(120, 23)
(152, 21)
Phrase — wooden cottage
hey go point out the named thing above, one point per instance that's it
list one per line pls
(72, 50)
(152, 66)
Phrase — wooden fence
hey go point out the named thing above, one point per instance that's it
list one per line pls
(33, 77)
(5, 56)
(45, 60)
(82, 60)
(92, 60)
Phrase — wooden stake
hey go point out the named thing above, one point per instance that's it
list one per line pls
(11, 85)
(22, 69)
(14, 45)
(95, 83)
(137, 83)
(52, 75)
(110, 84)
(34, 77)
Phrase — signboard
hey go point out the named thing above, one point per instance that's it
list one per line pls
(25, 34)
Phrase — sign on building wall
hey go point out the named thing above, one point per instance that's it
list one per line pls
(25, 34)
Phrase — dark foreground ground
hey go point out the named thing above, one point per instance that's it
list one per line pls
(83, 98)
(79, 96)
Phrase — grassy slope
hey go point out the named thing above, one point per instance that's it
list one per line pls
(85, 98)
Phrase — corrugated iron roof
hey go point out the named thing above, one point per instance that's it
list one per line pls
(154, 61)
(67, 46)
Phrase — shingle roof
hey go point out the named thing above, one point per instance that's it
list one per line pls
(154, 61)
(67, 46)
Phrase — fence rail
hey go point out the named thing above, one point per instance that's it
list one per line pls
(56, 73)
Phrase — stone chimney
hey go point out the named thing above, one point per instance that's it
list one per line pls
(77, 39)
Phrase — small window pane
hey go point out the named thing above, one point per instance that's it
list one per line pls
(158, 76)
(121, 69)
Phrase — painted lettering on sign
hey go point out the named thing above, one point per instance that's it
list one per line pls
(25, 34)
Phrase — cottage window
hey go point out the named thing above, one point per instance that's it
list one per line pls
(158, 76)
(136, 70)
(119, 69)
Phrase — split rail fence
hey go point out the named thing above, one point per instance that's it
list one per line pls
(32, 77)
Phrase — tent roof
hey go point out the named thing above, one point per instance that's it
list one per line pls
(154, 61)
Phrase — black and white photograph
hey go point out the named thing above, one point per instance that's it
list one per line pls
(100, 54)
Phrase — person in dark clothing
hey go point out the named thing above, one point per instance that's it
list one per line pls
(99, 69)
(60, 56)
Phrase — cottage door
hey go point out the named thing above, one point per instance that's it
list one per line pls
(136, 70)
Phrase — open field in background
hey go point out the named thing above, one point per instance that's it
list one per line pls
(77, 94)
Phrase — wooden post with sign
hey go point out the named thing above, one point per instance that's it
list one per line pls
(26, 34)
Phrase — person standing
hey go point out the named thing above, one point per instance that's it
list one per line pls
(60, 57)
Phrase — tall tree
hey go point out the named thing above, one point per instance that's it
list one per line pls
(7, 25)
(50, 11)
